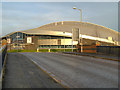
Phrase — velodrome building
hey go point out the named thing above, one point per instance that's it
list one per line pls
(59, 35)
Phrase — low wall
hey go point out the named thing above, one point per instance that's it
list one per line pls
(87, 48)
(109, 50)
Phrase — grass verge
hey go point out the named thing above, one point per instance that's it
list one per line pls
(12, 51)
(44, 50)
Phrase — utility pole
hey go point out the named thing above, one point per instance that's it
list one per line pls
(17, 40)
(81, 34)
(64, 41)
(72, 40)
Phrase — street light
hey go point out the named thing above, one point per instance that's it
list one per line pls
(64, 41)
(17, 40)
(79, 10)
(81, 21)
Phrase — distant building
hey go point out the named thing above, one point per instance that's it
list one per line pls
(59, 35)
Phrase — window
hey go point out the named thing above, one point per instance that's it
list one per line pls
(53, 37)
(56, 46)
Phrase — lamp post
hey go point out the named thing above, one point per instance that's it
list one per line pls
(64, 41)
(80, 12)
(22, 41)
(17, 40)
(79, 31)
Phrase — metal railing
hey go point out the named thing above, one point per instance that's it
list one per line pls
(3, 53)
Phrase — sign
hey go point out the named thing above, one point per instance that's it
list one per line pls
(110, 38)
(8, 40)
(75, 34)
(17, 36)
(97, 43)
(29, 39)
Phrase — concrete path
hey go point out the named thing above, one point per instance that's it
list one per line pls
(79, 71)
(22, 73)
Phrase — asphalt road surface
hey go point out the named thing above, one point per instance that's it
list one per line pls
(78, 71)
(20, 72)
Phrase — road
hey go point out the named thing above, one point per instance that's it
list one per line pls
(78, 71)
(20, 72)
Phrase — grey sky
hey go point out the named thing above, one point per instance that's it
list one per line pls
(27, 15)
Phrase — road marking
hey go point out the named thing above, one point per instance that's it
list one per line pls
(62, 83)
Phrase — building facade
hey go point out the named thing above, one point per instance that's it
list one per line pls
(59, 35)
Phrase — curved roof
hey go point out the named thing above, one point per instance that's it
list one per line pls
(67, 26)
(64, 28)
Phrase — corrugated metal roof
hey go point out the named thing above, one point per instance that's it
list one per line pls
(67, 26)
(64, 28)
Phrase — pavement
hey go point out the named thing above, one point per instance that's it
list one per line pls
(0, 70)
(0, 62)
(102, 56)
(20, 72)
(76, 71)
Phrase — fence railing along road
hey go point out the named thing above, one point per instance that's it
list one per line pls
(3, 54)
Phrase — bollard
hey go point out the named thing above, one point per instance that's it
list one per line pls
(48, 50)
(37, 49)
